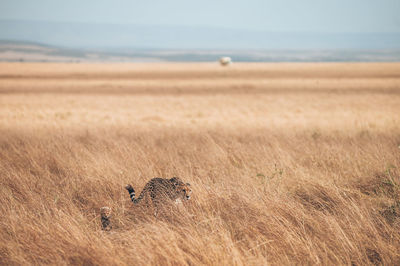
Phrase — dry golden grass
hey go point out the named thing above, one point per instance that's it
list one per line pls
(289, 163)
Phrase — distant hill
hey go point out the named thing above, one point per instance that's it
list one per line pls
(20, 51)
(114, 37)
(89, 42)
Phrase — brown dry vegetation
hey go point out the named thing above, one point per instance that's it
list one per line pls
(289, 163)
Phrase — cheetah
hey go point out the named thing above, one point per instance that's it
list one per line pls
(105, 213)
(162, 190)
(159, 190)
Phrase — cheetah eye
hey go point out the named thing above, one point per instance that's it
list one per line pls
(184, 190)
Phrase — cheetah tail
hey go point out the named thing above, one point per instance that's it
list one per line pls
(131, 192)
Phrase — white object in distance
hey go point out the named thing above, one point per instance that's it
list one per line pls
(224, 61)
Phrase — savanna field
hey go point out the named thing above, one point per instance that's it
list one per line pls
(289, 163)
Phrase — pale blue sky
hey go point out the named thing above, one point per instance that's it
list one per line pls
(265, 15)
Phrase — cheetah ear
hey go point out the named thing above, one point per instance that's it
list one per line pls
(175, 180)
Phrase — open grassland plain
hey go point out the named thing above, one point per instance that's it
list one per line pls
(289, 163)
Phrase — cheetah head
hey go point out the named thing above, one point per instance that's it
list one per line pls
(105, 212)
(184, 191)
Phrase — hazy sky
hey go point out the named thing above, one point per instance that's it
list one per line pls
(266, 15)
